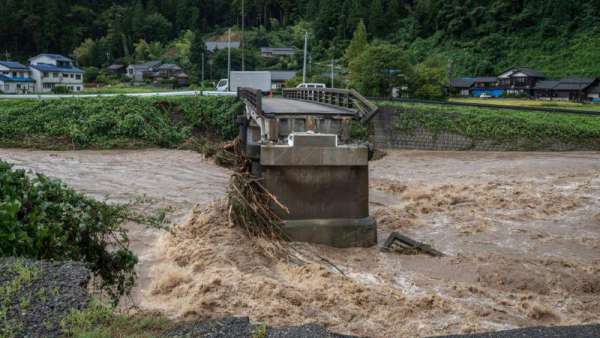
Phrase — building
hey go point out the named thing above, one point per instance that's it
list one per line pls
(269, 52)
(594, 93)
(279, 77)
(116, 69)
(15, 78)
(545, 89)
(171, 72)
(574, 88)
(475, 86)
(519, 80)
(213, 46)
(139, 72)
(53, 70)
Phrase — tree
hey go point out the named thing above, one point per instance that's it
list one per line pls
(85, 54)
(358, 44)
(430, 78)
(198, 55)
(377, 22)
(379, 68)
(156, 28)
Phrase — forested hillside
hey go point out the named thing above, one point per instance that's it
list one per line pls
(556, 36)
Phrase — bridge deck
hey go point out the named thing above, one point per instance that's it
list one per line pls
(280, 106)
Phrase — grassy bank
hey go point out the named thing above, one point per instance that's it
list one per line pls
(115, 122)
(527, 130)
(530, 103)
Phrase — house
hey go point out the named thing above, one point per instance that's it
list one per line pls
(116, 69)
(594, 93)
(574, 88)
(15, 78)
(213, 46)
(172, 73)
(545, 89)
(269, 52)
(279, 77)
(138, 72)
(461, 86)
(519, 80)
(475, 86)
(53, 70)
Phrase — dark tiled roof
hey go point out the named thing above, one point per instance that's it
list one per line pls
(115, 67)
(574, 83)
(485, 79)
(146, 65)
(546, 85)
(57, 57)
(464, 82)
(45, 67)
(169, 66)
(15, 79)
(594, 90)
(13, 65)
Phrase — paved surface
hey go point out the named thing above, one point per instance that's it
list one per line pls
(85, 96)
(579, 331)
(272, 105)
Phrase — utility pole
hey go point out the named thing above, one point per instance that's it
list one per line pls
(332, 64)
(229, 60)
(305, 51)
(202, 68)
(243, 40)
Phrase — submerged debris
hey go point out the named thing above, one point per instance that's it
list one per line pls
(409, 246)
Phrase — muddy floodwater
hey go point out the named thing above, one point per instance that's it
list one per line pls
(521, 234)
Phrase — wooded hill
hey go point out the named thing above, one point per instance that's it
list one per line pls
(555, 36)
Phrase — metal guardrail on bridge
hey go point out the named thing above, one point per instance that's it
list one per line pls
(343, 98)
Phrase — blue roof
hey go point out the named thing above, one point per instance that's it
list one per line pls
(45, 67)
(5, 78)
(57, 57)
(13, 65)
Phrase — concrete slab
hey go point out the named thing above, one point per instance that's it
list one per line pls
(280, 106)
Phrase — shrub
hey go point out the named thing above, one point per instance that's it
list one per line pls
(110, 122)
(61, 90)
(42, 218)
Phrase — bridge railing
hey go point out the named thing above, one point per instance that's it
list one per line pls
(344, 98)
(252, 97)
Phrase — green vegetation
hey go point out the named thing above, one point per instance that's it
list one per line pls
(527, 130)
(115, 122)
(531, 103)
(124, 89)
(101, 320)
(41, 218)
(555, 36)
(23, 277)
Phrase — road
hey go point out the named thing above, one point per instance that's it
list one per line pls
(86, 96)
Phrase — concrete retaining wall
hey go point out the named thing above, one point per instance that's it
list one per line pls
(384, 135)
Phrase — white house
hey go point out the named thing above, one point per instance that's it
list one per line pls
(54, 70)
(15, 78)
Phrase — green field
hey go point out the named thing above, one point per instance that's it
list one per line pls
(125, 89)
(115, 122)
(531, 130)
(530, 103)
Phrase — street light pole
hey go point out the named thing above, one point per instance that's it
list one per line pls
(229, 60)
(243, 41)
(305, 51)
(332, 63)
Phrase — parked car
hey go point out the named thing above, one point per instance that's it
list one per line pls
(485, 96)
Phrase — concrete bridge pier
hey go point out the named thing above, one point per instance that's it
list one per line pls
(325, 186)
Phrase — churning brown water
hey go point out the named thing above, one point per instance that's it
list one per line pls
(521, 231)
